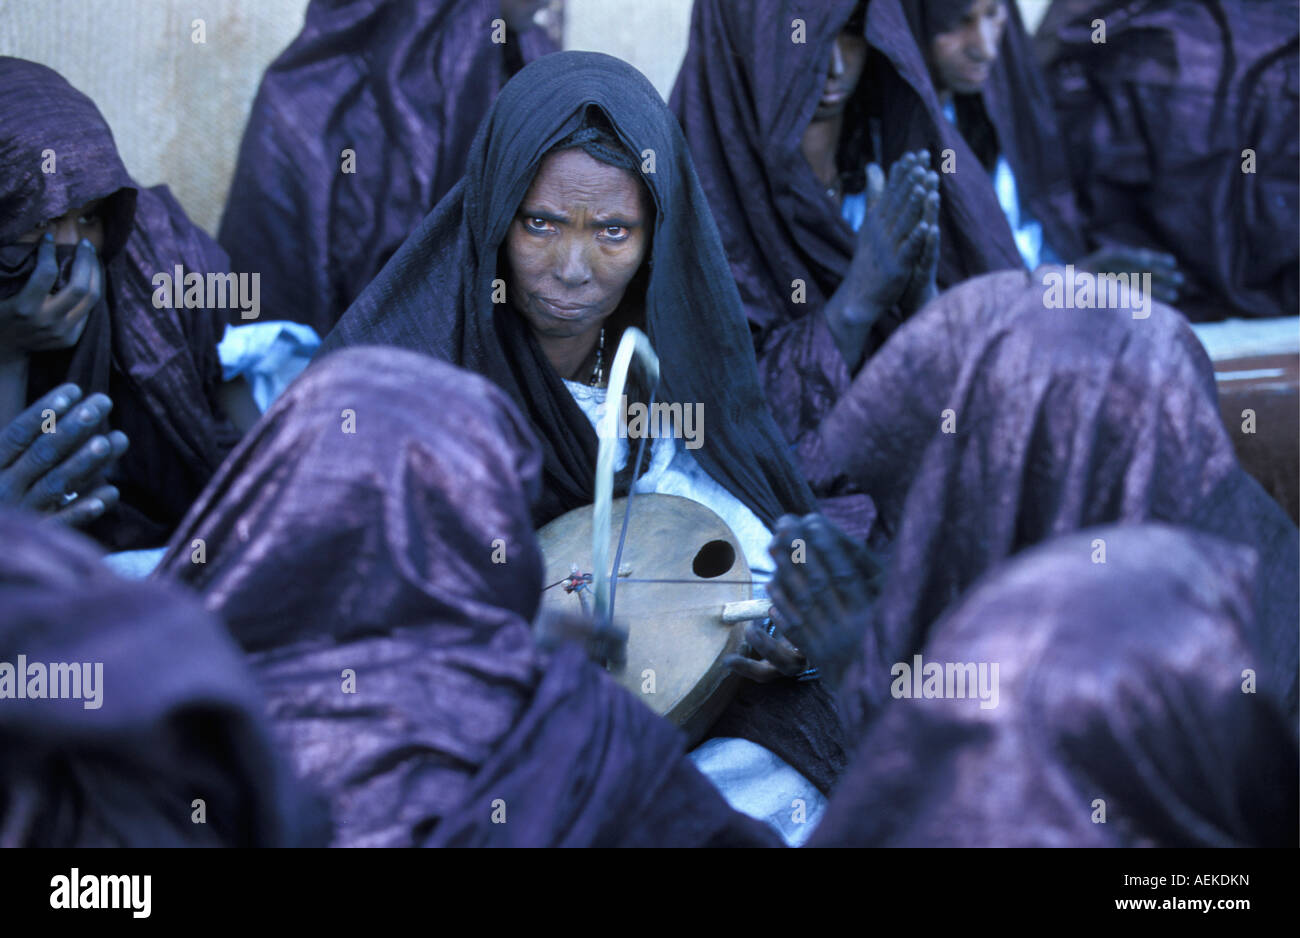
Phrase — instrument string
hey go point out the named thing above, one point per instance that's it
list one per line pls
(634, 579)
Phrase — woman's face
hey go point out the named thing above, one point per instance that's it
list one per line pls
(848, 56)
(962, 58)
(82, 222)
(577, 241)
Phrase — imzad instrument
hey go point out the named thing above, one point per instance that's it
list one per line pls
(683, 587)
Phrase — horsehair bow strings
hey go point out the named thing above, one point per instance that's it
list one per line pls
(634, 342)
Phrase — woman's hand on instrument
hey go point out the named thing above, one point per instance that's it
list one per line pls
(604, 642)
(822, 592)
(769, 656)
(52, 451)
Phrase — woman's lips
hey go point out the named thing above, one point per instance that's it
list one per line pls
(833, 97)
(562, 310)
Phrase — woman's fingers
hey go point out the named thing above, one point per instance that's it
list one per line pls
(911, 210)
(32, 296)
(875, 184)
(775, 650)
(85, 286)
(80, 470)
(49, 450)
(789, 618)
(789, 552)
(87, 508)
(759, 671)
(776, 657)
(19, 434)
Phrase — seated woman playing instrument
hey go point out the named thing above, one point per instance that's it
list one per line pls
(580, 215)
(370, 547)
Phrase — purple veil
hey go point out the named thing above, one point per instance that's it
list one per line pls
(1121, 713)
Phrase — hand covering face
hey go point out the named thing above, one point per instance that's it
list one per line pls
(158, 365)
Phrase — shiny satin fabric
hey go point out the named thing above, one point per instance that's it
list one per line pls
(400, 84)
(1155, 121)
(1121, 716)
(1008, 423)
(178, 716)
(370, 545)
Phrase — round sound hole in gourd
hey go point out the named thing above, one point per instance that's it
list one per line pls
(714, 559)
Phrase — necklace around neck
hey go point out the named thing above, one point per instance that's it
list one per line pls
(598, 372)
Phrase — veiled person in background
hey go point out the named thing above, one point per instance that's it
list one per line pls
(359, 128)
(1123, 711)
(988, 86)
(1007, 425)
(786, 108)
(352, 544)
(580, 215)
(774, 100)
(89, 364)
(1156, 122)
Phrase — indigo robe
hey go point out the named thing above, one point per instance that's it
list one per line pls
(370, 546)
(401, 85)
(1156, 121)
(158, 364)
(436, 296)
(175, 716)
(1120, 697)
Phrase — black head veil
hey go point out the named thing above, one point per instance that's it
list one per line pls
(435, 295)
(1013, 115)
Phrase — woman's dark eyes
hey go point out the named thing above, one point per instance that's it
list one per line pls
(608, 233)
(89, 219)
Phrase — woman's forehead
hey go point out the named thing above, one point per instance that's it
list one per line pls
(575, 177)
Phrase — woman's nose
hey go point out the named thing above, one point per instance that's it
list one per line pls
(65, 229)
(984, 47)
(574, 270)
(837, 60)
